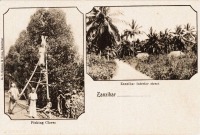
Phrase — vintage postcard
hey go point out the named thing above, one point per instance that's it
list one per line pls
(100, 67)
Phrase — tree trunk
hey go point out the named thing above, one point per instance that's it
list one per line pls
(100, 54)
(133, 49)
(108, 55)
(127, 38)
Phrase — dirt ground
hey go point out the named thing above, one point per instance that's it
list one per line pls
(125, 71)
(20, 111)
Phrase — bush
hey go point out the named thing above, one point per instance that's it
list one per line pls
(100, 68)
(159, 67)
(80, 104)
(131, 60)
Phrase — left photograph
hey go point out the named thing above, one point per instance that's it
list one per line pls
(43, 63)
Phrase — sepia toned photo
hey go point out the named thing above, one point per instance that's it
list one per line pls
(141, 42)
(94, 67)
(43, 67)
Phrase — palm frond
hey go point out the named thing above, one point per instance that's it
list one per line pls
(167, 31)
(92, 13)
(106, 10)
(88, 23)
(92, 24)
(95, 10)
(115, 31)
(91, 30)
(188, 27)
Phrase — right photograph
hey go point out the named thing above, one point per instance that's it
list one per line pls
(141, 43)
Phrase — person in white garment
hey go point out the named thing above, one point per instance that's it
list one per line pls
(42, 51)
(32, 107)
(41, 55)
(13, 97)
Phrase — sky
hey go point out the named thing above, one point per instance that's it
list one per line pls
(16, 20)
(159, 17)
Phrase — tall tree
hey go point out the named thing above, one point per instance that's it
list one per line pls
(65, 69)
(189, 32)
(178, 38)
(132, 32)
(190, 36)
(100, 28)
(152, 44)
(165, 39)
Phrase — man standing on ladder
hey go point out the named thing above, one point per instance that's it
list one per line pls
(42, 51)
(43, 61)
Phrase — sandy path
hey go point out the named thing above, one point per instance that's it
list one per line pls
(126, 72)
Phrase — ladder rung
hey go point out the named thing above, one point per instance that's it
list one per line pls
(36, 72)
(45, 84)
(33, 81)
(37, 82)
(39, 72)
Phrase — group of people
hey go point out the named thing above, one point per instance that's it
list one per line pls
(67, 104)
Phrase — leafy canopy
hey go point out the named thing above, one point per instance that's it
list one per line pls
(65, 68)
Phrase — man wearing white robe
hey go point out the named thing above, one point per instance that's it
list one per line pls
(32, 107)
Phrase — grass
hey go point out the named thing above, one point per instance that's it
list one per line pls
(160, 67)
(99, 68)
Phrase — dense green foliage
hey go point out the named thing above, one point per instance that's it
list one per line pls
(65, 67)
(100, 68)
(161, 67)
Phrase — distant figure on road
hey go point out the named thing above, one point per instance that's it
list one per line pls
(32, 107)
(13, 97)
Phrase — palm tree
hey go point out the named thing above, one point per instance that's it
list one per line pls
(178, 38)
(124, 49)
(189, 32)
(100, 29)
(189, 35)
(165, 40)
(132, 32)
(184, 36)
(152, 44)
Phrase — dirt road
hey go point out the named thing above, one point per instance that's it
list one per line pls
(126, 72)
